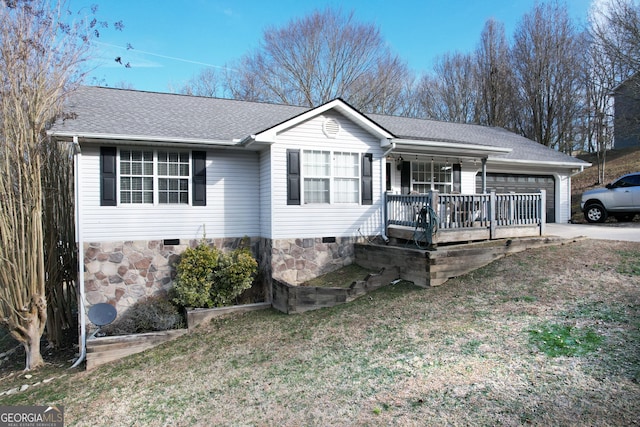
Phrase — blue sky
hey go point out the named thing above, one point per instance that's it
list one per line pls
(174, 40)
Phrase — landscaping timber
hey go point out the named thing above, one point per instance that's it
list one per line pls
(298, 299)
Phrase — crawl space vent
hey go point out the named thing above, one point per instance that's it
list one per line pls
(331, 127)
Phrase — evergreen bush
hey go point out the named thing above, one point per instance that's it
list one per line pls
(207, 277)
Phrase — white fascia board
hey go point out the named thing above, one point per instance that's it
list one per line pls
(450, 148)
(142, 138)
(564, 165)
(269, 135)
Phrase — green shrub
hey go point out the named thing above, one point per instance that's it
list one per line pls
(207, 277)
(151, 314)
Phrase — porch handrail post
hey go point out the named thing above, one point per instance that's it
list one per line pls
(433, 199)
(543, 209)
(492, 215)
(385, 212)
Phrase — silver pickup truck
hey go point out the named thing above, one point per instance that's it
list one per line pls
(620, 199)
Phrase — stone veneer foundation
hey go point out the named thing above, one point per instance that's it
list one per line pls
(295, 261)
(122, 273)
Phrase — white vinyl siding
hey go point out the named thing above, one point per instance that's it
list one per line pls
(232, 210)
(321, 219)
(265, 194)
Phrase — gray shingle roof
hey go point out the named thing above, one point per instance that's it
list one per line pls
(433, 130)
(107, 111)
(162, 116)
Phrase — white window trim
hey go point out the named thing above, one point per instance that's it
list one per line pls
(332, 177)
(156, 177)
(432, 183)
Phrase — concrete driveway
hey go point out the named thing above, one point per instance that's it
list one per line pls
(629, 232)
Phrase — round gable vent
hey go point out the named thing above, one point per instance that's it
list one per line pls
(331, 127)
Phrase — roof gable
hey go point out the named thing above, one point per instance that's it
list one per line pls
(269, 135)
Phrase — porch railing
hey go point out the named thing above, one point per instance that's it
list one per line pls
(460, 211)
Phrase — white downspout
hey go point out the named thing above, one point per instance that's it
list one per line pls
(77, 159)
(383, 189)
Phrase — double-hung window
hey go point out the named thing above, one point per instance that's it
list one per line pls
(346, 177)
(136, 176)
(317, 176)
(151, 177)
(173, 177)
(331, 177)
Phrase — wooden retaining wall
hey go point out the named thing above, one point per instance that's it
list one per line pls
(198, 316)
(107, 349)
(433, 268)
(298, 299)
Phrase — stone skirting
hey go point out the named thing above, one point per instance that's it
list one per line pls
(295, 261)
(122, 273)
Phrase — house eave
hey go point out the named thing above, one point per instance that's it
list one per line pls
(539, 163)
(103, 137)
(415, 146)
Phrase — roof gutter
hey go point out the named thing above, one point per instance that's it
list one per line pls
(142, 138)
(568, 165)
(452, 148)
(248, 140)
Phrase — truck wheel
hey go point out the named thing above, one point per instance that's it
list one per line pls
(595, 213)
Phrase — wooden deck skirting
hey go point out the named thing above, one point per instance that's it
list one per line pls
(433, 268)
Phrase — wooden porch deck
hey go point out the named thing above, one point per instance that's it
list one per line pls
(431, 219)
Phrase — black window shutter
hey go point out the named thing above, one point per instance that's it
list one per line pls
(293, 177)
(367, 179)
(457, 185)
(199, 178)
(108, 156)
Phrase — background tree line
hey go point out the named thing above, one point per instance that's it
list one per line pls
(550, 81)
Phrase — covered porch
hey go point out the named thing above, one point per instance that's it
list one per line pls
(436, 193)
(432, 218)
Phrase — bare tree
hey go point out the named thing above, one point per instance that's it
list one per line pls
(40, 55)
(206, 83)
(546, 59)
(451, 93)
(495, 100)
(384, 90)
(317, 58)
(615, 27)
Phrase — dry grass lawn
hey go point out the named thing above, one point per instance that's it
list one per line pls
(459, 354)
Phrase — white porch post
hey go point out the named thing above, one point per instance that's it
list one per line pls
(484, 175)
